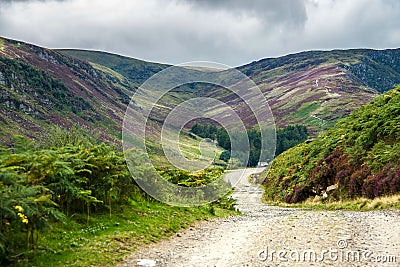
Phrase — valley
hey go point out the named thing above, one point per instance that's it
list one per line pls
(92, 89)
(68, 187)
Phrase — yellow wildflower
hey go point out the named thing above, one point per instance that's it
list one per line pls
(23, 217)
(19, 208)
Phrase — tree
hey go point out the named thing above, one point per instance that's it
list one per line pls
(225, 155)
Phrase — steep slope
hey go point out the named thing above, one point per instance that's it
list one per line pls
(41, 87)
(360, 156)
(318, 87)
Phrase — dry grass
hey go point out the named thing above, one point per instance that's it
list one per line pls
(359, 204)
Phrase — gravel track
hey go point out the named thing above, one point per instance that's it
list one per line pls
(272, 236)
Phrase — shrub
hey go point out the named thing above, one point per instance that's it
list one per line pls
(40, 186)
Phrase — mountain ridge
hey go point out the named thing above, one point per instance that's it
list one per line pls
(384, 56)
(310, 88)
(306, 87)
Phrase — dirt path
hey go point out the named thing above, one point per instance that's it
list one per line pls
(270, 236)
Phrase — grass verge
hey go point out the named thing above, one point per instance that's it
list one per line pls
(359, 204)
(107, 239)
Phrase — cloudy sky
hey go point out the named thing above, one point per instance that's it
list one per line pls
(231, 32)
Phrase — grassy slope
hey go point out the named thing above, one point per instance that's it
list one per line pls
(361, 154)
(44, 87)
(190, 149)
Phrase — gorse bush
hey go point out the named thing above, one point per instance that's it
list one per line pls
(361, 155)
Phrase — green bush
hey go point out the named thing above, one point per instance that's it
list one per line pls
(40, 186)
(225, 155)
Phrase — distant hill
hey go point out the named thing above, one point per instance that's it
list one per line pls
(359, 157)
(313, 88)
(42, 87)
(135, 70)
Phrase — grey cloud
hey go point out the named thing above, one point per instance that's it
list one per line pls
(228, 31)
(9, 2)
(16, 1)
(284, 11)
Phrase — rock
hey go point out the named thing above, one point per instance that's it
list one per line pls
(2, 79)
(332, 187)
(179, 235)
(147, 263)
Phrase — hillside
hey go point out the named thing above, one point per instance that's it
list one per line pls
(41, 87)
(317, 87)
(135, 70)
(312, 88)
(359, 157)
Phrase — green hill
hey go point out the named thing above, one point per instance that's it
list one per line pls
(135, 70)
(41, 88)
(358, 157)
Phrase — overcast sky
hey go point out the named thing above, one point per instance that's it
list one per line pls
(229, 32)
